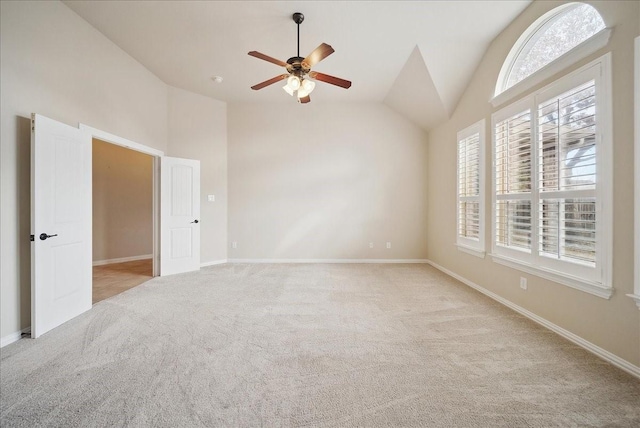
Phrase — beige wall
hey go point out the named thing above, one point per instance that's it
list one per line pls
(54, 63)
(122, 202)
(611, 324)
(198, 130)
(321, 181)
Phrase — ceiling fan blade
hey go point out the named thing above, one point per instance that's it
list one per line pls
(268, 58)
(330, 79)
(305, 100)
(269, 82)
(320, 53)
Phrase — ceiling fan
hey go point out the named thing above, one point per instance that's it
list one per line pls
(299, 69)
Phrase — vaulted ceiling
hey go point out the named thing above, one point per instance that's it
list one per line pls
(415, 56)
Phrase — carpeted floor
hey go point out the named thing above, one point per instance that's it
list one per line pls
(308, 345)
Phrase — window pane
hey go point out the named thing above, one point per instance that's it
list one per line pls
(567, 140)
(513, 224)
(470, 188)
(469, 220)
(468, 166)
(568, 229)
(513, 154)
(557, 36)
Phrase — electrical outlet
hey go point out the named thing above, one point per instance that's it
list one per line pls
(370, 244)
(211, 198)
(523, 283)
(234, 244)
(388, 245)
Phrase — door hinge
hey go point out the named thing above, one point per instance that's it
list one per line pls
(32, 238)
(33, 122)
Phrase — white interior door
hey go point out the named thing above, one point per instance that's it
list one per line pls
(179, 215)
(60, 223)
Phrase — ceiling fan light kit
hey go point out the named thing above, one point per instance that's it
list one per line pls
(293, 82)
(299, 81)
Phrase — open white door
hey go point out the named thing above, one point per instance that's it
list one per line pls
(60, 223)
(179, 215)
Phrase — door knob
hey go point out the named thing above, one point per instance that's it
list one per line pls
(195, 221)
(44, 236)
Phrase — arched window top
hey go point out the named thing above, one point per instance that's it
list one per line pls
(550, 37)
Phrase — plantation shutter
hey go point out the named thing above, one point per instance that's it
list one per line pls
(469, 187)
(513, 155)
(567, 175)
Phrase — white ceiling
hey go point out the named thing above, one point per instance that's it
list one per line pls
(383, 47)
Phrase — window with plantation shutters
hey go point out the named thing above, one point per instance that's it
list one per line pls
(470, 212)
(552, 178)
(513, 181)
(567, 176)
(469, 187)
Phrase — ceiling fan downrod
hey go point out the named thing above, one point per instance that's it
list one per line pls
(298, 18)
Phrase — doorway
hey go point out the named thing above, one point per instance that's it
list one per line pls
(122, 202)
(61, 209)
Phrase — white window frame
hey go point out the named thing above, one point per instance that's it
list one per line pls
(597, 280)
(636, 289)
(577, 53)
(475, 247)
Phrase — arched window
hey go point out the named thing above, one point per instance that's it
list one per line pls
(552, 152)
(550, 37)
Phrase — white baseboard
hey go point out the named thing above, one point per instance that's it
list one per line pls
(327, 261)
(213, 263)
(122, 260)
(594, 349)
(13, 337)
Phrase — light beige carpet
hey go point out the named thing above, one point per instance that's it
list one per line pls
(308, 345)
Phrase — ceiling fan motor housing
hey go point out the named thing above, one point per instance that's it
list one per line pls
(296, 66)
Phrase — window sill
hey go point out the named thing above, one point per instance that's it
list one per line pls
(569, 281)
(636, 298)
(469, 250)
(576, 54)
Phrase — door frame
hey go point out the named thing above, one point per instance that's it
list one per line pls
(156, 155)
(636, 288)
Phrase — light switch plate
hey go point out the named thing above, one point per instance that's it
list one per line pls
(211, 198)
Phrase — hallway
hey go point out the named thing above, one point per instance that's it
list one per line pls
(112, 279)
